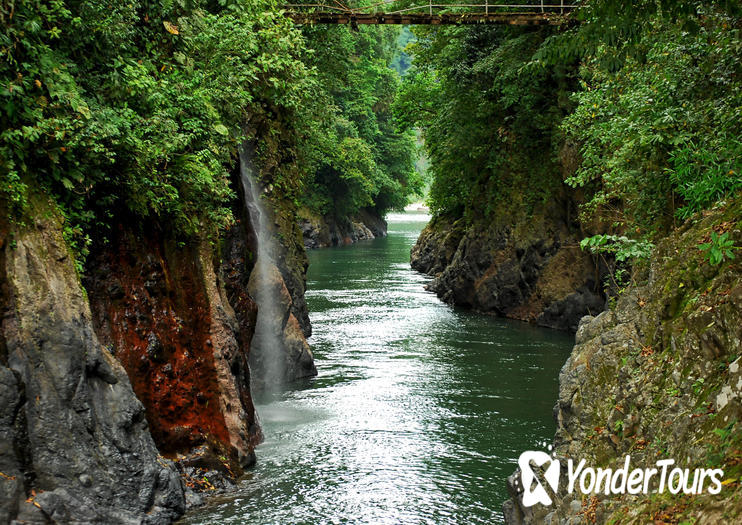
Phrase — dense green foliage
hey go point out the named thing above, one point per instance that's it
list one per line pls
(488, 121)
(139, 106)
(718, 248)
(137, 111)
(660, 131)
(639, 107)
(355, 156)
(620, 247)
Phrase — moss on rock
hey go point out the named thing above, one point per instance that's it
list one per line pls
(658, 377)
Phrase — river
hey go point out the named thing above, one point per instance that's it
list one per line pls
(420, 409)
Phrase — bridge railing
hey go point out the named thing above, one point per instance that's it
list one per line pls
(392, 7)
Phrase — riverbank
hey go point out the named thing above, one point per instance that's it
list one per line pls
(657, 377)
(525, 266)
(320, 231)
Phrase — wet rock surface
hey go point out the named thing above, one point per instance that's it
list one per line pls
(321, 232)
(656, 377)
(206, 472)
(280, 352)
(74, 440)
(527, 268)
(290, 257)
(178, 337)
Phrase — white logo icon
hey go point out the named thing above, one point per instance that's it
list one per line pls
(527, 477)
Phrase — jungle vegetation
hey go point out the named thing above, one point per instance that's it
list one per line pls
(142, 106)
(139, 108)
(640, 109)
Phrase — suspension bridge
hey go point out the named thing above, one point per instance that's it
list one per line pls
(536, 12)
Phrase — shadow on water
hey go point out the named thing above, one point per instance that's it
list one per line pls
(419, 412)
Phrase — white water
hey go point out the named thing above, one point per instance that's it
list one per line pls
(267, 360)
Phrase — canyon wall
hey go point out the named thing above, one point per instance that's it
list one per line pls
(658, 376)
(524, 265)
(122, 394)
(282, 283)
(163, 311)
(322, 231)
(181, 318)
(74, 439)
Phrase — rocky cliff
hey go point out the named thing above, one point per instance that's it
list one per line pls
(279, 288)
(658, 376)
(74, 438)
(182, 318)
(149, 360)
(524, 265)
(164, 313)
(322, 231)
(291, 261)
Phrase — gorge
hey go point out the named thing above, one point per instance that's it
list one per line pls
(416, 411)
(215, 310)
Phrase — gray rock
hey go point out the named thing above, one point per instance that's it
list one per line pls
(653, 378)
(527, 268)
(321, 232)
(73, 439)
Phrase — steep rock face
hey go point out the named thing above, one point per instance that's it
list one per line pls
(164, 314)
(657, 377)
(528, 268)
(74, 442)
(291, 259)
(278, 161)
(181, 319)
(321, 232)
(277, 326)
(282, 323)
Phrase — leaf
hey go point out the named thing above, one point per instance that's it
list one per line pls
(82, 108)
(171, 28)
(221, 129)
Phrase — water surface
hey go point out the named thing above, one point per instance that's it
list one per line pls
(419, 412)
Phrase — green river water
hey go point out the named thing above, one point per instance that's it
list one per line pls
(420, 409)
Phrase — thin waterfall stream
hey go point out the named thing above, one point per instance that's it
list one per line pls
(266, 351)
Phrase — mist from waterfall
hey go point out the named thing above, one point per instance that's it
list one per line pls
(267, 357)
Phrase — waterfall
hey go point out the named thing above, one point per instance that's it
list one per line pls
(267, 353)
